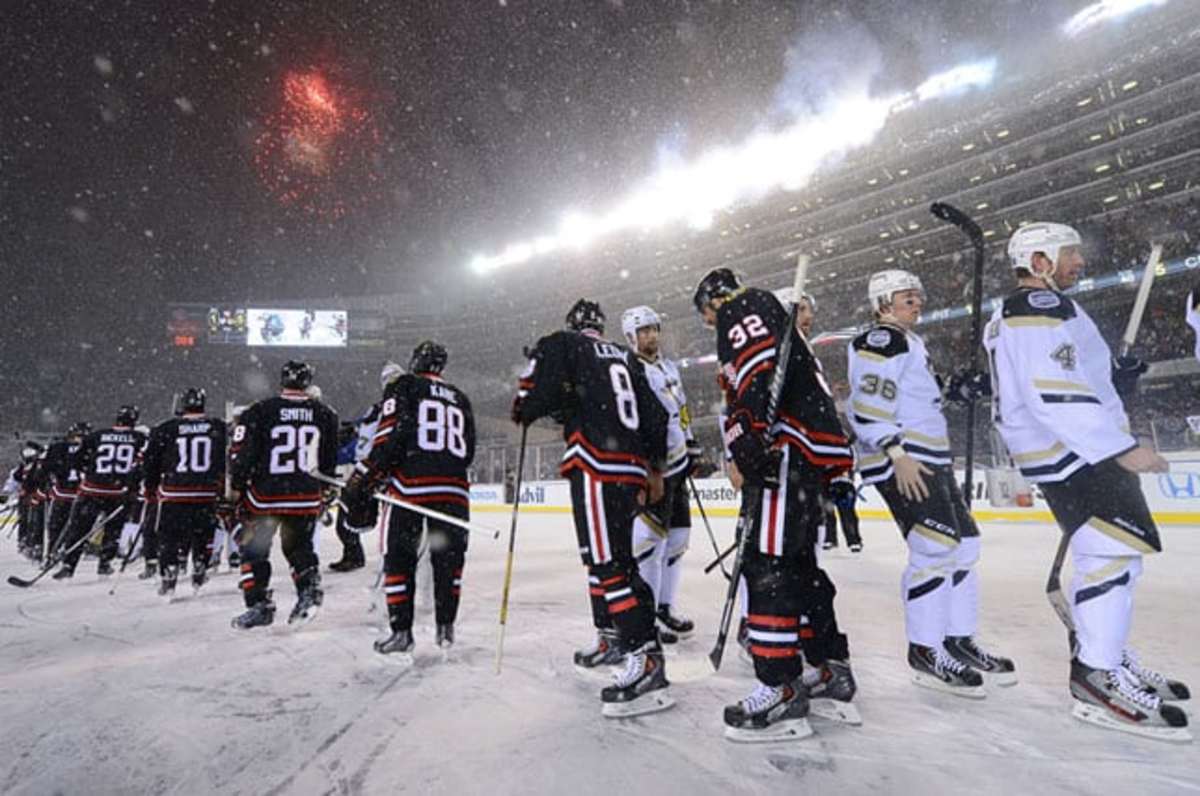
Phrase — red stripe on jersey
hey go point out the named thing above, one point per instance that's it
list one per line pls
(766, 620)
(759, 651)
(749, 379)
(623, 605)
(751, 351)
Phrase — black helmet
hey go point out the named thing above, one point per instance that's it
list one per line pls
(79, 429)
(192, 400)
(296, 375)
(30, 450)
(717, 283)
(128, 415)
(586, 314)
(428, 357)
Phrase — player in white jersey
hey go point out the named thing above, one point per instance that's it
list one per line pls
(662, 530)
(903, 448)
(1066, 428)
(1193, 315)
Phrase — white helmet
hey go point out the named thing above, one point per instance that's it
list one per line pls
(784, 294)
(885, 284)
(1045, 237)
(391, 371)
(636, 318)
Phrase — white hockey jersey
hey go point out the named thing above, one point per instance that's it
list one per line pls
(663, 376)
(1053, 398)
(1193, 315)
(894, 398)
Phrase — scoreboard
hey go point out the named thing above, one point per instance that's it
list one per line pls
(194, 325)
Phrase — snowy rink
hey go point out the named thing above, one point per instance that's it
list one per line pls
(124, 694)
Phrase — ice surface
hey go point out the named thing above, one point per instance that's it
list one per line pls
(124, 694)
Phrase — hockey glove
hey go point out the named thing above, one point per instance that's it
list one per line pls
(514, 412)
(1125, 373)
(968, 385)
(758, 463)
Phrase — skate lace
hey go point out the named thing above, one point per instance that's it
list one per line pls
(1128, 687)
(981, 653)
(1130, 662)
(945, 662)
(763, 697)
(635, 664)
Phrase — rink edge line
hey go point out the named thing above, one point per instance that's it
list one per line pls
(987, 515)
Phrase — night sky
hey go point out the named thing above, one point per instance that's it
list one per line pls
(149, 152)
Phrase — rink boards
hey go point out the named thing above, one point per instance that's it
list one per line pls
(1174, 498)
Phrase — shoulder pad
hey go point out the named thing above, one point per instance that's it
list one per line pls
(1038, 303)
(883, 341)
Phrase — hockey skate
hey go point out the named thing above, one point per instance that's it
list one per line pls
(831, 688)
(769, 714)
(937, 669)
(994, 668)
(856, 547)
(397, 648)
(199, 578)
(66, 573)
(166, 587)
(604, 652)
(150, 571)
(260, 614)
(308, 605)
(104, 569)
(1116, 700)
(1156, 682)
(641, 687)
(678, 626)
(445, 636)
(347, 564)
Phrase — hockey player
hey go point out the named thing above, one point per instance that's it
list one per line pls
(185, 476)
(278, 441)
(30, 480)
(616, 433)
(1193, 315)
(839, 494)
(111, 475)
(422, 449)
(1065, 426)
(790, 596)
(62, 466)
(661, 531)
(904, 451)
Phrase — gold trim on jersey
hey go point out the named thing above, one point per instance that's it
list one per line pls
(871, 355)
(1062, 384)
(1120, 534)
(925, 439)
(1033, 321)
(871, 411)
(934, 536)
(1033, 456)
(1108, 570)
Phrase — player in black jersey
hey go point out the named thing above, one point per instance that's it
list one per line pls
(62, 466)
(790, 596)
(32, 483)
(616, 433)
(185, 476)
(423, 446)
(277, 443)
(110, 462)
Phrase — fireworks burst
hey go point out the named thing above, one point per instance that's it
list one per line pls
(317, 152)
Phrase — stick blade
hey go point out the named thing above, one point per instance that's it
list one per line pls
(715, 656)
(20, 583)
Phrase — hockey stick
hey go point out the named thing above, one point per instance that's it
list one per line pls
(413, 507)
(748, 515)
(720, 559)
(970, 228)
(512, 541)
(25, 583)
(711, 537)
(1054, 592)
(129, 554)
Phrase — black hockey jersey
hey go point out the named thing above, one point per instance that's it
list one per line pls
(276, 444)
(185, 460)
(749, 332)
(62, 467)
(425, 440)
(614, 425)
(111, 462)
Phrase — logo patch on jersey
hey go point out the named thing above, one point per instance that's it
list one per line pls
(1044, 299)
(879, 338)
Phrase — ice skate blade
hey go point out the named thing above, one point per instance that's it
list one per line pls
(653, 702)
(305, 618)
(835, 710)
(1101, 717)
(1002, 679)
(401, 660)
(934, 684)
(791, 730)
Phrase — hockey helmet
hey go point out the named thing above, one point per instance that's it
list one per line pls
(30, 451)
(717, 284)
(79, 429)
(636, 318)
(193, 400)
(296, 375)
(585, 314)
(885, 284)
(391, 371)
(1045, 237)
(428, 357)
(128, 415)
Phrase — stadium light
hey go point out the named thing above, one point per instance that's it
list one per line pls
(1105, 11)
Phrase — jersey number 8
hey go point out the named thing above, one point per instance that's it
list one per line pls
(441, 427)
(622, 385)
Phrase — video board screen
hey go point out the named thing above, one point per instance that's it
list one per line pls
(304, 328)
